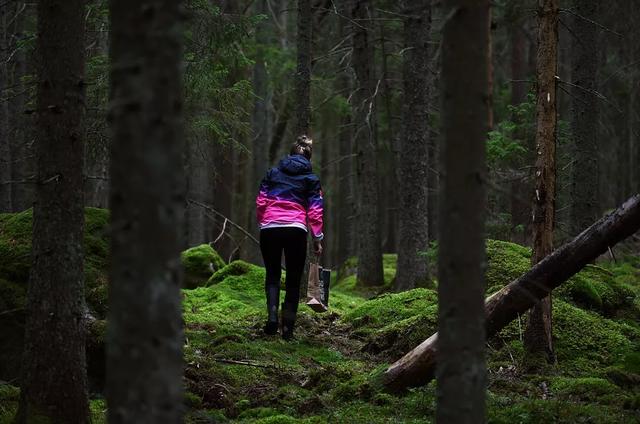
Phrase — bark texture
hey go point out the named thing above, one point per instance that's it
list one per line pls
(584, 115)
(303, 72)
(345, 231)
(417, 367)
(414, 148)
(21, 133)
(262, 126)
(461, 371)
(54, 379)
(538, 333)
(145, 335)
(520, 202)
(366, 147)
(5, 146)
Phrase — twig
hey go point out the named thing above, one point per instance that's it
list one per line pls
(10, 311)
(590, 91)
(210, 209)
(234, 362)
(611, 253)
(577, 15)
(224, 228)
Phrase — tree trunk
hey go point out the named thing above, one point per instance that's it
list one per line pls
(198, 188)
(303, 73)
(366, 147)
(414, 149)
(54, 379)
(345, 223)
(145, 335)
(5, 145)
(22, 152)
(538, 334)
(585, 117)
(262, 129)
(417, 367)
(461, 371)
(520, 204)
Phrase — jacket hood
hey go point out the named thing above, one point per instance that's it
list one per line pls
(295, 165)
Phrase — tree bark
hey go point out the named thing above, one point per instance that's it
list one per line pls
(417, 367)
(5, 145)
(22, 152)
(520, 204)
(54, 379)
(461, 371)
(145, 335)
(345, 231)
(262, 128)
(538, 333)
(366, 147)
(585, 116)
(198, 187)
(414, 150)
(303, 73)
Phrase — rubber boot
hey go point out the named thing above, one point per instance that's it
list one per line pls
(288, 320)
(273, 295)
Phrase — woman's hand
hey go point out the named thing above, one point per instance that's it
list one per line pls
(317, 247)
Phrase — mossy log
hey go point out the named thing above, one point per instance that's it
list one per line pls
(417, 367)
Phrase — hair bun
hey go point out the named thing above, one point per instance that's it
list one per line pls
(304, 141)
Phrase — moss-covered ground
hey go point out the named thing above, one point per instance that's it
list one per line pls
(234, 373)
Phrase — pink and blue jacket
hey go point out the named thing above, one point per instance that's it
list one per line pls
(290, 196)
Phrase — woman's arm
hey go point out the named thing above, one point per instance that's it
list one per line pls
(315, 209)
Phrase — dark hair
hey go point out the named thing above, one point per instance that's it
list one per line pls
(303, 146)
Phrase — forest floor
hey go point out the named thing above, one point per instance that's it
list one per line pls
(234, 373)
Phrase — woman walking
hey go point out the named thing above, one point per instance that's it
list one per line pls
(288, 205)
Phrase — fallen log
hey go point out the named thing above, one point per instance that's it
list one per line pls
(417, 367)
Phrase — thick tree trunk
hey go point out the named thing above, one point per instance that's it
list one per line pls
(145, 335)
(414, 149)
(366, 147)
(303, 73)
(538, 334)
(54, 379)
(461, 371)
(585, 117)
(5, 145)
(417, 367)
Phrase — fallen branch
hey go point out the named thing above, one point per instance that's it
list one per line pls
(417, 367)
(234, 362)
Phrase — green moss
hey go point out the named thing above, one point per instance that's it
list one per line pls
(585, 389)
(597, 289)
(391, 307)
(585, 341)
(199, 264)
(534, 411)
(98, 411)
(505, 263)
(15, 257)
(192, 400)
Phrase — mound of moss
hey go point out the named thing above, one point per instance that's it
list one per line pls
(200, 262)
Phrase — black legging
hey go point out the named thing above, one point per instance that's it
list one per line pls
(294, 243)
